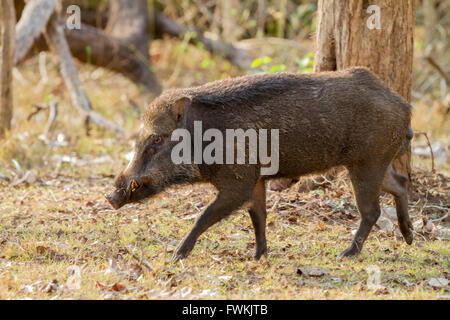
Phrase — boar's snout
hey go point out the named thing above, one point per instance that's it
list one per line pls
(117, 199)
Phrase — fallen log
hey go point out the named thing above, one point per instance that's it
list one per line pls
(94, 46)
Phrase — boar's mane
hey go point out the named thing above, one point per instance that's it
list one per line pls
(247, 89)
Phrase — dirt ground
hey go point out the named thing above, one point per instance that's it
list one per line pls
(60, 239)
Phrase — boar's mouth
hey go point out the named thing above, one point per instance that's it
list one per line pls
(121, 197)
(118, 198)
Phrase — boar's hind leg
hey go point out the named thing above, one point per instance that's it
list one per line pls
(366, 180)
(227, 200)
(396, 185)
(258, 214)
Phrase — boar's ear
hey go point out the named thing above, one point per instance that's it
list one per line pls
(180, 107)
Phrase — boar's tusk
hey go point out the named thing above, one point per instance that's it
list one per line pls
(134, 185)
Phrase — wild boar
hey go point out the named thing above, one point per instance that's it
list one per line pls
(320, 121)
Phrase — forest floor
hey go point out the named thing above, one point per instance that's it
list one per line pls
(59, 239)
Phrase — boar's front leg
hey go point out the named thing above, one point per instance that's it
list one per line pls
(228, 200)
(258, 215)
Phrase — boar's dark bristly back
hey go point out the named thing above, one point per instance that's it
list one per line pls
(248, 89)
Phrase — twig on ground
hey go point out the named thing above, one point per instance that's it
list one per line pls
(141, 261)
(21, 180)
(438, 207)
(18, 167)
(275, 203)
(429, 145)
(318, 213)
(38, 107)
(51, 117)
(423, 207)
(441, 218)
(325, 181)
(419, 234)
(441, 208)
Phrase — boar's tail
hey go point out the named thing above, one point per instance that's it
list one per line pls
(409, 136)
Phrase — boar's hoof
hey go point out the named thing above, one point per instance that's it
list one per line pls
(177, 256)
(183, 250)
(260, 252)
(350, 252)
(408, 236)
(406, 228)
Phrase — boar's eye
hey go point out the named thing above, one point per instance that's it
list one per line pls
(157, 140)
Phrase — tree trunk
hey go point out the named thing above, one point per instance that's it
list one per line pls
(347, 35)
(7, 44)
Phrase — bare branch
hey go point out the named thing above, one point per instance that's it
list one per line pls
(228, 51)
(32, 23)
(58, 43)
(435, 65)
(429, 145)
